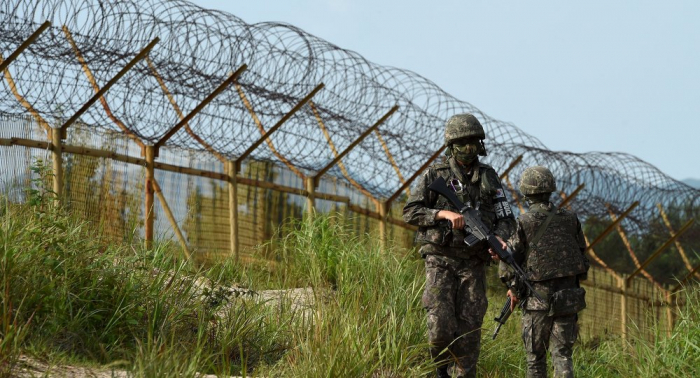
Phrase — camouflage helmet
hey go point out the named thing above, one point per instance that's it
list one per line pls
(536, 180)
(463, 126)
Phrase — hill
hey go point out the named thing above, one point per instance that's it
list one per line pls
(695, 183)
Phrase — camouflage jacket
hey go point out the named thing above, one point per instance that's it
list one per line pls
(558, 253)
(481, 188)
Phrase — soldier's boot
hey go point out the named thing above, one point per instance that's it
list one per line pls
(442, 372)
(458, 372)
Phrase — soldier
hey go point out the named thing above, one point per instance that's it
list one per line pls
(455, 289)
(549, 245)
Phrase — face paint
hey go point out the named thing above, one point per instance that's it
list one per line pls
(465, 153)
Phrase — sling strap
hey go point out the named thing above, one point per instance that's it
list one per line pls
(543, 227)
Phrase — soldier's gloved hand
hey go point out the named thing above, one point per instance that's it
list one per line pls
(513, 300)
(456, 219)
(494, 256)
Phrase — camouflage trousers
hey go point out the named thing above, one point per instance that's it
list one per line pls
(558, 333)
(455, 301)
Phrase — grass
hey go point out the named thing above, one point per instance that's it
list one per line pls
(70, 298)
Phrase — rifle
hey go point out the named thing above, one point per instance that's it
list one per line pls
(501, 319)
(477, 231)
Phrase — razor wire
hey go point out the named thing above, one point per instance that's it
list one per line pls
(199, 48)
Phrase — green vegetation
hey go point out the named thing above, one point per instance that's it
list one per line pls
(69, 297)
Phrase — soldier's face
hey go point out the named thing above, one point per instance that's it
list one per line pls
(465, 141)
(465, 150)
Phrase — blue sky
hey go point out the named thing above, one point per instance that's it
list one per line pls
(580, 76)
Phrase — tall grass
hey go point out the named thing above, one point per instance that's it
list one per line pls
(67, 294)
(677, 355)
(70, 297)
(368, 320)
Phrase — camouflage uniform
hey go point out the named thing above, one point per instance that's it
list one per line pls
(455, 289)
(555, 264)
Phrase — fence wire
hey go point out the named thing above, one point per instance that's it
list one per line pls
(198, 48)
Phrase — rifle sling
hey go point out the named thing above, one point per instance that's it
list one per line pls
(542, 228)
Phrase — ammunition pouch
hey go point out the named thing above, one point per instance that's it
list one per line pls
(567, 302)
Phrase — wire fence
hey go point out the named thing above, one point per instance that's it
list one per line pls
(237, 127)
(278, 66)
(110, 194)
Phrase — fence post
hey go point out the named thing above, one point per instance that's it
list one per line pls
(383, 210)
(327, 135)
(171, 217)
(623, 310)
(150, 175)
(184, 121)
(310, 196)
(98, 95)
(678, 244)
(612, 225)
(24, 45)
(669, 312)
(233, 207)
(57, 164)
(661, 249)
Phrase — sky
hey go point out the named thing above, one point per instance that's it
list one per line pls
(611, 76)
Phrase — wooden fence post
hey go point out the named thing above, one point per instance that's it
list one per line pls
(57, 165)
(171, 217)
(150, 175)
(661, 249)
(383, 210)
(623, 310)
(678, 244)
(233, 207)
(669, 312)
(310, 196)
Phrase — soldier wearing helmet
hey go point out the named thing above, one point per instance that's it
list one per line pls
(455, 289)
(549, 245)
